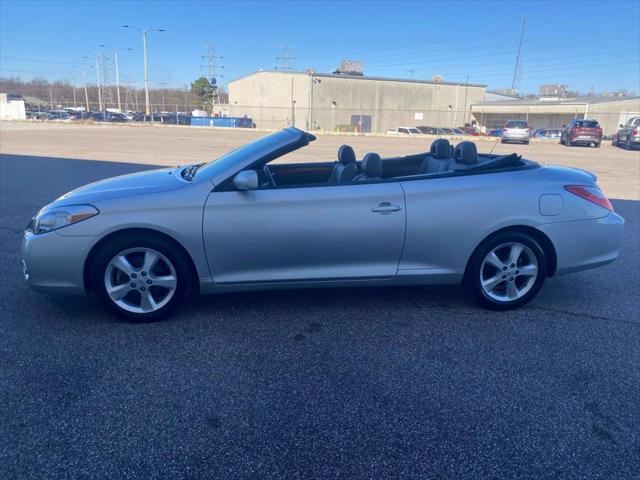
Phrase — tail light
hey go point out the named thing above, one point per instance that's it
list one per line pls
(590, 194)
(636, 131)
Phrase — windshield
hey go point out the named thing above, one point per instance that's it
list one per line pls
(516, 124)
(586, 124)
(260, 146)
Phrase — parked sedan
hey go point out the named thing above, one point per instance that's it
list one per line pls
(550, 134)
(500, 224)
(516, 131)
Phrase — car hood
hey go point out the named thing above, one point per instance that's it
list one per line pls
(151, 181)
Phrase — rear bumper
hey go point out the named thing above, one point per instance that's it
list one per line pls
(585, 244)
(516, 137)
(585, 139)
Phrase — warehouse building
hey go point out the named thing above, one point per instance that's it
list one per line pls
(556, 112)
(350, 102)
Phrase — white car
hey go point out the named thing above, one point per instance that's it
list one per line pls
(405, 132)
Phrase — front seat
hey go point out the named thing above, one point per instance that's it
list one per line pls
(371, 168)
(438, 159)
(465, 155)
(346, 167)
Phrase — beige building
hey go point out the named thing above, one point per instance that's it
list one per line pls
(330, 102)
(546, 113)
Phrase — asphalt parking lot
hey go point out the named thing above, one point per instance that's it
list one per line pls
(341, 383)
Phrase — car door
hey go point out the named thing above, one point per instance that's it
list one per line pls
(311, 233)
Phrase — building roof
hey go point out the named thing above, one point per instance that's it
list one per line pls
(361, 77)
(529, 102)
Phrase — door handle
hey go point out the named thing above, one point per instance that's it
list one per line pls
(385, 208)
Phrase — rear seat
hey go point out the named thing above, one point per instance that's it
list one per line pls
(439, 159)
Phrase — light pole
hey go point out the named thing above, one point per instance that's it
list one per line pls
(116, 52)
(98, 82)
(144, 47)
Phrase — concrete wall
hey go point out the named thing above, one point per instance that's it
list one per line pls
(267, 98)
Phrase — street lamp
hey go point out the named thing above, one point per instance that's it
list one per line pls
(144, 47)
(98, 82)
(116, 51)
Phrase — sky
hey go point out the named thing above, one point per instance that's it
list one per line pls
(589, 45)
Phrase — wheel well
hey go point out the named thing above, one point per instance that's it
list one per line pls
(540, 237)
(88, 264)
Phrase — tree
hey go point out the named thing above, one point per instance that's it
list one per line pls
(202, 91)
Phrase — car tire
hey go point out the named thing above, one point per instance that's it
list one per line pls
(597, 145)
(135, 292)
(503, 140)
(515, 282)
(627, 144)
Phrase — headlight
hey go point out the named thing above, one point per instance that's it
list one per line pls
(53, 218)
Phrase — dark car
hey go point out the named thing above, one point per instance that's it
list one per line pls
(628, 136)
(551, 133)
(581, 132)
(496, 133)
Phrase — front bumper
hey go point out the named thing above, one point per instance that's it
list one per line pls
(585, 244)
(53, 263)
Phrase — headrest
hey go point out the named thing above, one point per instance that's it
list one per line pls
(346, 155)
(466, 153)
(441, 148)
(372, 165)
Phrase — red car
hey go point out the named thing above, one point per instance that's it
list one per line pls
(581, 132)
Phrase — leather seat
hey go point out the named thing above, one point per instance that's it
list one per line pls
(346, 167)
(465, 155)
(439, 158)
(371, 168)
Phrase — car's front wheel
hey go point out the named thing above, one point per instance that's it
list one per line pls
(141, 278)
(506, 271)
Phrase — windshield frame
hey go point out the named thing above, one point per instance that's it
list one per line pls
(254, 154)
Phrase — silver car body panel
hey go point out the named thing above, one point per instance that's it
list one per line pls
(410, 230)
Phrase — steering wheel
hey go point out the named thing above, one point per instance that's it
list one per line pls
(269, 175)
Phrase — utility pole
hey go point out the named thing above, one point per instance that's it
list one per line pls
(285, 58)
(116, 53)
(86, 93)
(98, 81)
(516, 70)
(211, 68)
(144, 47)
(466, 91)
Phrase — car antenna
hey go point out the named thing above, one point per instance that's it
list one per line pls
(494, 146)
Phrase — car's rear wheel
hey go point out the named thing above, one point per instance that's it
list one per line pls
(506, 271)
(141, 278)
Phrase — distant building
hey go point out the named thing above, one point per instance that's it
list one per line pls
(553, 90)
(547, 113)
(11, 107)
(343, 102)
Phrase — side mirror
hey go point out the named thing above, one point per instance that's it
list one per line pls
(621, 126)
(246, 180)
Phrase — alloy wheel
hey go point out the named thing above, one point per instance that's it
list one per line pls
(508, 272)
(140, 280)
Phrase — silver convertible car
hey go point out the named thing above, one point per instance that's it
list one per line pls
(143, 243)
